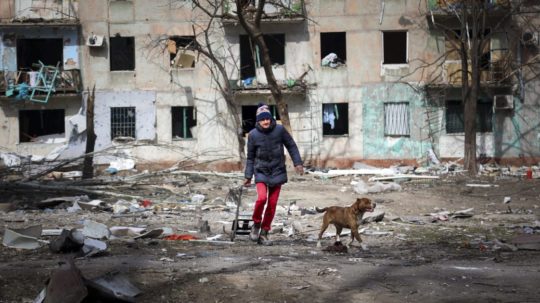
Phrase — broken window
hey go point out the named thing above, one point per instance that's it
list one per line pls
(455, 117)
(250, 58)
(122, 122)
(122, 55)
(335, 119)
(37, 123)
(183, 119)
(333, 49)
(31, 51)
(249, 113)
(182, 51)
(395, 47)
(396, 119)
(452, 42)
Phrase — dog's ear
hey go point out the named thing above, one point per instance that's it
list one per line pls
(357, 206)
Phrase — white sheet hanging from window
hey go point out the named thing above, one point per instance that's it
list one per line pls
(329, 116)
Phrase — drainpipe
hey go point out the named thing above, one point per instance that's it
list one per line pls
(382, 12)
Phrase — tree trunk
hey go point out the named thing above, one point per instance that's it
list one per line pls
(88, 165)
(251, 23)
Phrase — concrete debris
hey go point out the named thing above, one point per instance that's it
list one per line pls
(445, 215)
(375, 216)
(95, 230)
(51, 202)
(527, 242)
(68, 241)
(93, 247)
(360, 187)
(66, 285)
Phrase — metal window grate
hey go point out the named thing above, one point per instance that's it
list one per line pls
(396, 119)
(122, 122)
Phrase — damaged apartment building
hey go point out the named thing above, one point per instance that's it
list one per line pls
(368, 91)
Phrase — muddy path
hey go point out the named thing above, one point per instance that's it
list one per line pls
(409, 255)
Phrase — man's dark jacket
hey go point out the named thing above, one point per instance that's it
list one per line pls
(265, 154)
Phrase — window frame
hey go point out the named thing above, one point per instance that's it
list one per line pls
(190, 46)
(408, 119)
(114, 125)
(186, 126)
(483, 106)
(114, 66)
(342, 131)
(55, 122)
(343, 55)
(406, 46)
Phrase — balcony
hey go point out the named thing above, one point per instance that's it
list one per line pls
(444, 11)
(66, 82)
(498, 73)
(275, 11)
(44, 11)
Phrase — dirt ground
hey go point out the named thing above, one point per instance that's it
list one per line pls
(408, 257)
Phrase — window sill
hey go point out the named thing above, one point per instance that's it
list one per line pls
(463, 134)
(183, 139)
(335, 136)
(395, 65)
(397, 136)
(341, 66)
(183, 69)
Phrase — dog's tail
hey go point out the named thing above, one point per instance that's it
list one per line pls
(321, 210)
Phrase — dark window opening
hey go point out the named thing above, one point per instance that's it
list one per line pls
(455, 117)
(395, 47)
(122, 53)
(249, 115)
(182, 51)
(35, 123)
(335, 119)
(183, 119)
(31, 51)
(250, 59)
(122, 122)
(333, 43)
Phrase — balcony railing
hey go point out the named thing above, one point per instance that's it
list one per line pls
(66, 82)
(274, 10)
(497, 73)
(38, 11)
(451, 5)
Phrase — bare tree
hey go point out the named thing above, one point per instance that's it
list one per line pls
(468, 27)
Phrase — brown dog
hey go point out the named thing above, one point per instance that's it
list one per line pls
(345, 217)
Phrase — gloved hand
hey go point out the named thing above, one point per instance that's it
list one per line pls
(299, 169)
(247, 182)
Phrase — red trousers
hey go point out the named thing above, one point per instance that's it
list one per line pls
(265, 196)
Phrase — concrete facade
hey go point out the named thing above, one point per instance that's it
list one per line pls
(364, 85)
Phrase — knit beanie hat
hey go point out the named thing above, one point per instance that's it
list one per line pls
(263, 112)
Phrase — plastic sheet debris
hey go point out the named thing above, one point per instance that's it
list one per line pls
(24, 238)
(183, 237)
